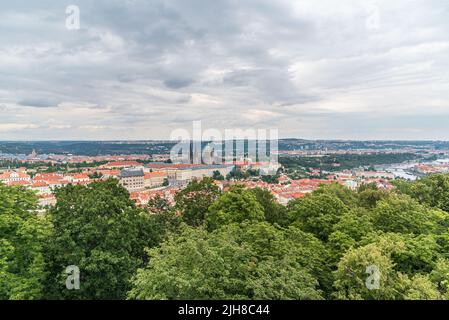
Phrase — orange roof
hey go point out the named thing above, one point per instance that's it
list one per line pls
(48, 177)
(116, 164)
(13, 174)
(294, 195)
(311, 182)
(39, 184)
(149, 175)
(19, 183)
(80, 176)
(108, 172)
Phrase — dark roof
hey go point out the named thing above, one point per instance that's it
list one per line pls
(210, 166)
(131, 173)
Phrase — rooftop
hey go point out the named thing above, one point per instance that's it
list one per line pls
(131, 173)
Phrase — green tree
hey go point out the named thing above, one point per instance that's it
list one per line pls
(237, 174)
(193, 201)
(274, 212)
(432, 190)
(218, 176)
(440, 276)
(311, 254)
(272, 179)
(418, 287)
(359, 264)
(317, 213)
(356, 223)
(99, 229)
(22, 236)
(399, 264)
(369, 195)
(158, 205)
(237, 205)
(283, 280)
(402, 214)
(346, 195)
(367, 186)
(223, 265)
(163, 220)
(190, 266)
(96, 175)
(420, 254)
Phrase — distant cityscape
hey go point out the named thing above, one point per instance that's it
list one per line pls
(303, 166)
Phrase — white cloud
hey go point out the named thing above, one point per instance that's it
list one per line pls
(8, 127)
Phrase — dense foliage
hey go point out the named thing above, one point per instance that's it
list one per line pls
(99, 229)
(22, 237)
(344, 161)
(334, 243)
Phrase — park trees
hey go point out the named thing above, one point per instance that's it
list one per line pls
(317, 213)
(22, 236)
(273, 211)
(98, 229)
(237, 244)
(232, 262)
(193, 201)
(238, 204)
(402, 214)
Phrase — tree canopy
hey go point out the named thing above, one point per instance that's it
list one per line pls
(233, 262)
(334, 243)
(194, 200)
(22, 236)
(99, 229)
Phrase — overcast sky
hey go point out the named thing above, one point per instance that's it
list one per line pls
(347, 69)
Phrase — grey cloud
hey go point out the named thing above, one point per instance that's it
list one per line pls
(178, 83)
(38, 103)
(154, 66)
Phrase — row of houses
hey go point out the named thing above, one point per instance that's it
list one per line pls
(43, 183)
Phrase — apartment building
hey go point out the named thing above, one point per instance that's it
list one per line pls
(154, 179)
(14, 176)
(201, 171)
(132, 179)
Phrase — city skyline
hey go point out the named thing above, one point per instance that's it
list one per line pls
(377, 70)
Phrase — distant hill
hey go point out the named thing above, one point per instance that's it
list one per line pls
(94, 148)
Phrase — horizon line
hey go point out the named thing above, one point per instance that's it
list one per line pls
(280, 139)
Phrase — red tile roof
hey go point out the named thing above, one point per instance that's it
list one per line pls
(19, 183)
(13, 174)
(48, 177)
(149, 175)
(119, 164)
(38, 184)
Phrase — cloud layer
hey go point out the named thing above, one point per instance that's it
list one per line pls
(139, 69)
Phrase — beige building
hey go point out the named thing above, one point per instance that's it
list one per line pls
(132, 180)
(374, 174)
(199, 172)
(14, 176)
(154, 179)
